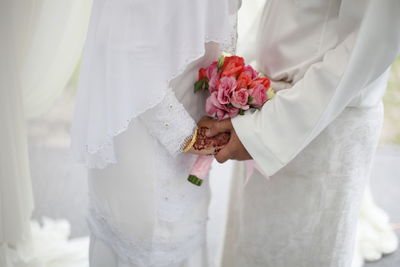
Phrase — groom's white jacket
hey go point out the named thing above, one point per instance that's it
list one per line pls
(327, 55)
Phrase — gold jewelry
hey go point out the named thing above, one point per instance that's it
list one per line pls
(191, 143)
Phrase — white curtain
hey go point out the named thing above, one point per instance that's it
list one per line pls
(52, 50)
(41, 43)
(15, 189)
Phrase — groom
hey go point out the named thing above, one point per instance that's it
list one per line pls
(315, 138)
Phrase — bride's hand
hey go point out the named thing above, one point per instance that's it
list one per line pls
(208, 145)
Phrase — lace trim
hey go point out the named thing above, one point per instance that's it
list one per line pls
(170, 123)
(100, 156)
(143, 253)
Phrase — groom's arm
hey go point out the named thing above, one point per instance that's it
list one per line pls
(286, 124)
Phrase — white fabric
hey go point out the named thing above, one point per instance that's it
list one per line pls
(145, 199)
(375, 234)
(330, 55)
(135, 108)
(170, 123)
(40, 47)
(51, 246)
(249, 16)
(50, 49)
(142, 207)
(16, 202)
(142, 45)
(101, 255)
(317, 137)
(306, 214)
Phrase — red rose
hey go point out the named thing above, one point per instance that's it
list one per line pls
(233, 66)
(263, 80)
(202, 74)
(243, 81)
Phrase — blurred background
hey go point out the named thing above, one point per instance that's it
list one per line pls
(60, 189)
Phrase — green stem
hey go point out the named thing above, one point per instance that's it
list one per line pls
(195, 180)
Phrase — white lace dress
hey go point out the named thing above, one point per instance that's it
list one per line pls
(135, 110)
(143, 211)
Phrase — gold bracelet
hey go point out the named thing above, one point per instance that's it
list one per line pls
(191, 143)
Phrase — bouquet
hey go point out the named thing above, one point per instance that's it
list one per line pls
(233, 88)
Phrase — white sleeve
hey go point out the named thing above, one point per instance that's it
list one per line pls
(170, 123)
(290, 121)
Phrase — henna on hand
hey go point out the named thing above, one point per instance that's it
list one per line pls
(209, 145)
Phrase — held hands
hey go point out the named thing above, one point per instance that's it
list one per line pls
(204, 145)
(232, 149)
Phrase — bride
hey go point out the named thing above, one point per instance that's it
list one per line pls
(135, 113)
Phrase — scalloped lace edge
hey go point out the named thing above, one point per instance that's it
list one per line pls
(102, 155)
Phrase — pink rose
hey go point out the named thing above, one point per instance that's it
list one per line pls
(250, 71)
(213, 76)
(214, 108)
(239, 99)
(225, 89)
(232, 112)
(258, 96)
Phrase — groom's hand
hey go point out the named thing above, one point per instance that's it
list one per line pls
(234, 149)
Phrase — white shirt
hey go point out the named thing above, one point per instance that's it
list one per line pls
(328, 55)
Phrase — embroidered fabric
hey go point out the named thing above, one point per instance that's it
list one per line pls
(158, 252)
(177, 197)
(114, 65)
(170, 123)
(314, 200)
(125, 87)
(181, 215)
(143, 207)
